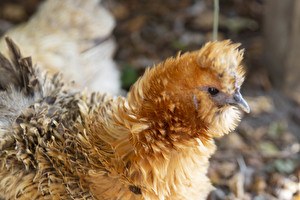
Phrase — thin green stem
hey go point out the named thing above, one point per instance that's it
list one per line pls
(216, 20)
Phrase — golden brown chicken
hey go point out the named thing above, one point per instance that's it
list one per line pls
(153, 145)
(72, 37)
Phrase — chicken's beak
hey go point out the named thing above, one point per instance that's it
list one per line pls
(238, 100)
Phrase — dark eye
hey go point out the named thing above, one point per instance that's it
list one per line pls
(135, 189)
(213, 91)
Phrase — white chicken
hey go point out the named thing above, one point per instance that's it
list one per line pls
(73, 37)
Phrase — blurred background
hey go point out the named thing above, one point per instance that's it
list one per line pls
(261, 160)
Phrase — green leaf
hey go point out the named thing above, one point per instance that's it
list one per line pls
(268, 148)
(284, 166)
(129, 76)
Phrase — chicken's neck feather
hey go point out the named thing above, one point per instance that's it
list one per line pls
(141, 153)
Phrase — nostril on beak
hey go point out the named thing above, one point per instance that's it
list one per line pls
(237, 97)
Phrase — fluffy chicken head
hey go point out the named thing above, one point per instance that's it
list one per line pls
(220, 78)
(195, 91)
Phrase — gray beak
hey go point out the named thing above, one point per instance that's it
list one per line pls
(238, 100)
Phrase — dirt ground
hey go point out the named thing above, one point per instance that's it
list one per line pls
(261, 160)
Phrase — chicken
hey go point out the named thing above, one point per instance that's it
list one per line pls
(73, 37)
(155, 144)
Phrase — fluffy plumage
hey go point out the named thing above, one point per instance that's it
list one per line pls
(72, 37)
(154, 144)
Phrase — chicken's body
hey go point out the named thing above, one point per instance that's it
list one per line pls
(152, 145)
(72, 37)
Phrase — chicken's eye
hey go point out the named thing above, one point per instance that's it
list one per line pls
(213, 91)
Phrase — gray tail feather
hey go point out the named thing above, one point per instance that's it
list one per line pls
(17, 72)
